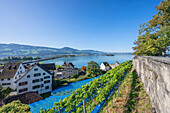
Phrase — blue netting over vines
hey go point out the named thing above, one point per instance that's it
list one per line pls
(58, 94)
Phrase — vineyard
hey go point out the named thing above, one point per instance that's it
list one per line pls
(94, 93)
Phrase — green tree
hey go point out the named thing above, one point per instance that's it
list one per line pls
(154, 36)
(15, 107)
(74, 76)
(93, 69)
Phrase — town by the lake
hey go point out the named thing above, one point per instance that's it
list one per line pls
(84, 56)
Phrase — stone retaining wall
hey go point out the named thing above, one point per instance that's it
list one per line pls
(155, 74)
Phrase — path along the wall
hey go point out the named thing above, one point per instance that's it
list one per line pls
(155, 74)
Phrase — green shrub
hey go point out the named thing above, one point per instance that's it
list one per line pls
(74, 76)
(15, 107)
(5, 91)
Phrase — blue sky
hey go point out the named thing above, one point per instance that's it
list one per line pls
(106, 25)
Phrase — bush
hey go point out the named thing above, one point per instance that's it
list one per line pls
(5, 91)
(15, 107)
(74, 76)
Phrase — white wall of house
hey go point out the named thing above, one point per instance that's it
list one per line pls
(10, 81)
(28, 78)
(103, 67)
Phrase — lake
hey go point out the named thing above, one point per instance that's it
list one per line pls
(80, 61)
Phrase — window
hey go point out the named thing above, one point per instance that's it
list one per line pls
(20, 67)
(36, 69)
(43, 73)
(41, 79)
(19, 75)
(8, 83)
(22, 90)
(28, 76)
(47, 81)
(35, 81)
(46, 77)
(4, 84)
(35, 87)
(15, 77)
(23, 83)
(2, 79)
(47, 87)
(42, 85)
(8, 78)
(37, 74)
(20, 71)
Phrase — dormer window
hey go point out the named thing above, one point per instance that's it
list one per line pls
(2, 79)
(8, 78)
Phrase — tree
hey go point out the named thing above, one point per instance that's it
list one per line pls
(74, 76)
(15, 107)
(83, 68)
(154, 36)
(93, 69)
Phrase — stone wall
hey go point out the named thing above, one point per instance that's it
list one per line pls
(155, 74)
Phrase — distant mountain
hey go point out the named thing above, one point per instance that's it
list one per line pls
(27, 50)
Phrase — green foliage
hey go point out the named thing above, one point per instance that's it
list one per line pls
(15, 107)
(74, 75)
(58, 66)
(45, 95)
(99, 87)
(5, 91)
(154, 36)
(93, 69)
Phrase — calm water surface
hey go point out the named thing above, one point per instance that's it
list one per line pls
(83, 60)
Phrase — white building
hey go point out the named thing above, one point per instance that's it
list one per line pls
(114, 65)
(105, 66)
(37, 77)
(10, 73)
(68, 70)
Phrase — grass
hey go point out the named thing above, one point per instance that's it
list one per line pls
(132, 97)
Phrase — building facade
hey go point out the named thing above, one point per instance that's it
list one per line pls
(36, 78)
(68, 70)
(105, 66)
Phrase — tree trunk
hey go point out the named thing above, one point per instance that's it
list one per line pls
(163, 52)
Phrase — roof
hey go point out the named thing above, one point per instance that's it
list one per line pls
(9, 70)
(114, 65)
(49, 66)
(116, 62)
(45, 67)
(25, 98)
(68, 63)
(105, 63)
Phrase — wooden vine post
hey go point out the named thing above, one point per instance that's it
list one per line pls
(59, 109)
(84, 106)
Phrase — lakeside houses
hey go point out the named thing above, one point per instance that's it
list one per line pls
(114, 65)
(66, 71)
(28, 78)
(105, 66)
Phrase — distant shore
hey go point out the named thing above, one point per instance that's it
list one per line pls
(38, 59)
